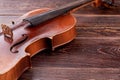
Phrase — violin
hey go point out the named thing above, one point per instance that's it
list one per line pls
(103, 4)
(35, 31)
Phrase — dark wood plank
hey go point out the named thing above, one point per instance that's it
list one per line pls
(22, 6)
(53, 73)
(80, 59)
(101, 32)
(98, 20)
(82, 53)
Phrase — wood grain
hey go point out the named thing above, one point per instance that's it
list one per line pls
(53, 73)
(93, 55)
(19, 7)
(81, 59)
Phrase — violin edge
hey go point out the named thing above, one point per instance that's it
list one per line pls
(15, 72)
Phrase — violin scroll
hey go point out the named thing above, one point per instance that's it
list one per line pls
(103, 4)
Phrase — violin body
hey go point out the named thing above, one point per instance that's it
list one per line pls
(40, 29)
(48, 35)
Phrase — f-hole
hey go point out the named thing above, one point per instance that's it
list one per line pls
(13, 47)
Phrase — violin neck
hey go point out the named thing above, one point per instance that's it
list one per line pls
(37, 19)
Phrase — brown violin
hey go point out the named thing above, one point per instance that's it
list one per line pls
(36, 30)
(103, 4)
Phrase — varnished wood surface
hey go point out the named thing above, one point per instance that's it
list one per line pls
(93, 55)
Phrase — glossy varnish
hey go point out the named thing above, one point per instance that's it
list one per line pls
(94, 54)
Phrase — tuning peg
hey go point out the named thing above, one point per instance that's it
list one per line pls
(109, 3)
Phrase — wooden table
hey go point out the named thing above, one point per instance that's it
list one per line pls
(93, 55)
